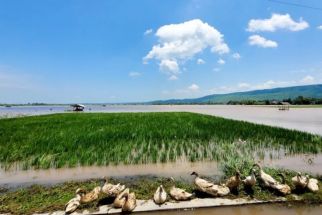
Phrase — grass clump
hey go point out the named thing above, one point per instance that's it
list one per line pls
(53, 141)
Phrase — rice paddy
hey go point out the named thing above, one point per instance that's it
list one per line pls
(68, 140)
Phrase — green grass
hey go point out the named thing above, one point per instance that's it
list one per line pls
(110, 138)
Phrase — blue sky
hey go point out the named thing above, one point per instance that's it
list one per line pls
(61, 51)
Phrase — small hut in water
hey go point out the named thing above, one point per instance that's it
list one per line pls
(78, 107)
(284, 106)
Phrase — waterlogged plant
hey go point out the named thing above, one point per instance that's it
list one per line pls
(69, 139)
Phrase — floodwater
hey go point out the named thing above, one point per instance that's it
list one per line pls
(262, 209)
(180, 170)
(303, 119)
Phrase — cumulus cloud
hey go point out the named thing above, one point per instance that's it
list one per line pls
(180, 42)
(308, 79)
(170, 66)
(200, 61)
(193, 87)
(221, 61)
(148, 31)
(276, 22)
(256, 40)
(319, 27)
(236, 56)
(134, 74)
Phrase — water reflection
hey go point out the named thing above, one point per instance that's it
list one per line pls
(264, 209)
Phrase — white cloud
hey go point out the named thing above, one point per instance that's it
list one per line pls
(236, 56)
(169, 66)
(272, 84)
(134, 74)
(276, 22)
(193, 87)
(243, 85)
(192, 90)
(319, 27)
(264, 85)
(308, 79)
(173, 78)
(221, 61)
(256, 40)
(148, 31)
(180, 42)
(201, 61)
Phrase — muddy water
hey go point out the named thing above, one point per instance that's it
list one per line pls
(303, 119)
(248, 210)
(304, 163)
(180, 170)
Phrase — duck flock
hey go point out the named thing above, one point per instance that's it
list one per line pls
(126, 200)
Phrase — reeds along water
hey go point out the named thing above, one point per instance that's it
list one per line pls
(100, 139)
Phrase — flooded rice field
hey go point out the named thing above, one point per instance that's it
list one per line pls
(303, 119)
(263, 209)
(179, 170)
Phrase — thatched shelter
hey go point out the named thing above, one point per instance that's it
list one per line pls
(78, 107)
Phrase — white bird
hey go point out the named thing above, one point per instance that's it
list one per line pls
(250, 180)
(160, 195)
(300, 181)
(266, 178)
(178, 193)
(72, 204)
(313, 185)
(112, 190)
(200, 183)
(282, 188)
(210, 188)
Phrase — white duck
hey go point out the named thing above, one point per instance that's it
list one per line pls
(300, 181)
(73, 204)
(210, 188)
(266, 178)
(200, 183)
(160, 195)
(222, 190)
(282, 188)
(178, 193)
(250, 180)
(312, 185)
(112, 190)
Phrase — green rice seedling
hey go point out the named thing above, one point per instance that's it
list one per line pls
(71, 139)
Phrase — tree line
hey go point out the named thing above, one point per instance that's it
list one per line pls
(300, 100)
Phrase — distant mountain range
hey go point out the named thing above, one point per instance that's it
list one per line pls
(312, 91)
